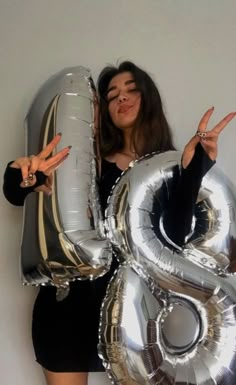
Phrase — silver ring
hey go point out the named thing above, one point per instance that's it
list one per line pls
(202, 134)
(30, 176)
(26, 182)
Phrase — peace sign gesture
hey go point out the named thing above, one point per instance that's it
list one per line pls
(208, 139)
(42, 162)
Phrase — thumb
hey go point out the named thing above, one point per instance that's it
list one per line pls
(189, 151)
(191, 145)
(45, 189)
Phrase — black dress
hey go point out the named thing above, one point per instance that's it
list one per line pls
(65, 334)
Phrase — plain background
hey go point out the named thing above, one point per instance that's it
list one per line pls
(187, 46)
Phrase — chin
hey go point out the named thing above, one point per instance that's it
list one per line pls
(128, 125)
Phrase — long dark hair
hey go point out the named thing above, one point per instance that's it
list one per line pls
(151, 132)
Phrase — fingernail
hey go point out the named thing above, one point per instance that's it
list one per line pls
(69, 147)
(212, 108)
(59, 133)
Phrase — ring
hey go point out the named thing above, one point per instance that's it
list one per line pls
(30, 176)
(202, 134)
(26, 182)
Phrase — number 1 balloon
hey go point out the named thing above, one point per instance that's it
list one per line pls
(63, 235)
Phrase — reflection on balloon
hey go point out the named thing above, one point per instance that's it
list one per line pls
(63, 235)
(169, 315)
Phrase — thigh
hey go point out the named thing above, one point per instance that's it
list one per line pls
(53, 378)
(65, 334)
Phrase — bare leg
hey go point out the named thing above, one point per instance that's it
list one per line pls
(66, 378)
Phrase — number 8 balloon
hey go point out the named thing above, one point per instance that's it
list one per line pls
(169, 315)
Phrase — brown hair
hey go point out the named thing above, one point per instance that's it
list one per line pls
(152, 131)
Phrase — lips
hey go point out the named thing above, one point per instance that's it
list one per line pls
(124, 108)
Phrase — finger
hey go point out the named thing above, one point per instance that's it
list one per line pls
(50, 147)
(29, 181)
(189, 151)
(221, 125)
(50, 170)
(210, 148)
(34, 164)
(205, 119)
(49, 180)
(209, 135)
(190, 146)
(45, 189)
(209, 145)
(25, 166)
(52, 162)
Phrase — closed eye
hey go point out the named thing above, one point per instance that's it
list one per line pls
(133, 90)
(112, 97)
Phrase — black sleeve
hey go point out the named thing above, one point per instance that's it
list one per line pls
(12, 190)
(181, 207)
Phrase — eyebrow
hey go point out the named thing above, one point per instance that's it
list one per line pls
(115, 87)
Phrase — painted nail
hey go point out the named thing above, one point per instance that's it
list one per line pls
(69, 147)
(231, 115)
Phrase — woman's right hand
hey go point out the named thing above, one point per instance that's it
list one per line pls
(208, 139)
(41, 162)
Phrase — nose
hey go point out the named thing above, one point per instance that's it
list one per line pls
(122, 98)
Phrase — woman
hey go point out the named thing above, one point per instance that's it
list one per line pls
(132, 123)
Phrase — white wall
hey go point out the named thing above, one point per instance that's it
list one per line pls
(189, 48)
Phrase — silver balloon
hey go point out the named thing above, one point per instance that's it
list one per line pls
(169, 316)
(63, 236)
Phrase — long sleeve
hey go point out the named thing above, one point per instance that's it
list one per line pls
(12, 190)
(181, 206)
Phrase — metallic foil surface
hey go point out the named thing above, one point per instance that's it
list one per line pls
(63, 236)
(169, 315)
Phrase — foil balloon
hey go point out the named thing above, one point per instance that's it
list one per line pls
(63, 235)
(169, 315)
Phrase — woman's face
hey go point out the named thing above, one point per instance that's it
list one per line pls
(123, 100)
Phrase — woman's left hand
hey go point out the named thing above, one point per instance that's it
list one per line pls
(208, 139)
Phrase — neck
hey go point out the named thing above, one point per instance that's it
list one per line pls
(129, 152)
(128, 146)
